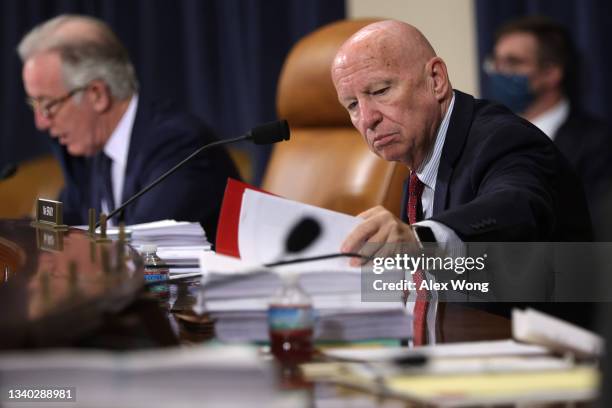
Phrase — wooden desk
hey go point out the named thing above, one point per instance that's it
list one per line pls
(57, 286)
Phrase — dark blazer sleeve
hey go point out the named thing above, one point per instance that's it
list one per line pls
(510, 183)
(587, 143)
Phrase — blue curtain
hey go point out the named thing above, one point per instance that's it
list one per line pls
(588, 22)
(219, 58)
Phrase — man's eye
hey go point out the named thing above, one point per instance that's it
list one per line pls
(351, 106)
(380, 91)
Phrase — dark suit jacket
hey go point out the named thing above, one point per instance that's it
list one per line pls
(587, 143)
(502, 179)
(161, 137)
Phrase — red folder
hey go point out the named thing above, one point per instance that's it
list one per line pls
(229, 217)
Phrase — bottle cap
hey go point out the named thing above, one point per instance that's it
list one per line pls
(290, 277)
(149, 248)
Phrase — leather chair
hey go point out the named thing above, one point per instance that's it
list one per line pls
(326, 163)
(37, 178)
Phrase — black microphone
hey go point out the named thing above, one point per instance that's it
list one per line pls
(8, 170)
(267, 133)
(304, 233)
(301, 236)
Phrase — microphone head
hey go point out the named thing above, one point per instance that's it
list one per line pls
(8, 170)
(302, 235)
(269, 133)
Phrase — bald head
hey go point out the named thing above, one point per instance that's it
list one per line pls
(395, 42)
(395, 89)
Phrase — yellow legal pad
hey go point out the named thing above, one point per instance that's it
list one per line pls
(580, 382)
(453, 390)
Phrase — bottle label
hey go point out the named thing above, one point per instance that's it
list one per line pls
(155, 276)
(290, 317)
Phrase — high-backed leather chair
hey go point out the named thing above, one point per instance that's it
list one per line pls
(326, 162)
(37, 178)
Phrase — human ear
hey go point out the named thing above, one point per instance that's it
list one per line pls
(438, 77)
(99, 96)
(552, 76)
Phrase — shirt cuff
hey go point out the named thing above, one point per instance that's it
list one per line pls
(446, 238)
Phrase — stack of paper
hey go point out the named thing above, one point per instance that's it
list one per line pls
(178, 242)
(237, 291)
(477, 373)
(237, 295)
(169, 233)
(339, 317)
(230, 278)
(536, 327)
(165, 233)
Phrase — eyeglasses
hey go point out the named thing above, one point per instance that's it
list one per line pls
(50, 108)
(510, 65)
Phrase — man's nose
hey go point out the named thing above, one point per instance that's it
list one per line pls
(370, 115)
(41, 121)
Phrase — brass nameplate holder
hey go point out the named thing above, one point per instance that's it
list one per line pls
(49, 215)
(103, 237)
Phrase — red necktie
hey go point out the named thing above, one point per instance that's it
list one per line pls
(415, 214)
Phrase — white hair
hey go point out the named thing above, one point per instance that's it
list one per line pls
(98, 54)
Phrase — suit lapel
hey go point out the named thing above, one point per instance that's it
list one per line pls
(135, 153)
(458, 128)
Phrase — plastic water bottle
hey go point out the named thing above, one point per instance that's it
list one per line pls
(154, 271)
(291, 322)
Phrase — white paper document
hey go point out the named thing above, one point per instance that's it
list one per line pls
(494, 348)
(539, 328)
(232, 278)
(266, 221)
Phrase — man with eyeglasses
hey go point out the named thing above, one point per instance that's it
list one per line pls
(534, 70)
(111, 140)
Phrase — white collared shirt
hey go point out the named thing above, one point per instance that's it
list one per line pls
(428, 170)
(117, 148)
(427, 174)
(550, 121)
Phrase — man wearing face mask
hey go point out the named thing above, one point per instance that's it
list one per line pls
(534, 71)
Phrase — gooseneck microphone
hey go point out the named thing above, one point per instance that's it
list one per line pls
(301, 236)
(267, 133)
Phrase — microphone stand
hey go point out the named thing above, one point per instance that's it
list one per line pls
(172, 170)
(267, 133)
(317, 258)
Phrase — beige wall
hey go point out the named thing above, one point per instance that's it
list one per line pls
(449, 25)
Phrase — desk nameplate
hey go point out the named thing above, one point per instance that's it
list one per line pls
(49, 214)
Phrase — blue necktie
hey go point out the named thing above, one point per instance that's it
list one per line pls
(104, 182)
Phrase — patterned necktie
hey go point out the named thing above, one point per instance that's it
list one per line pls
(415, 214)
(104, 182)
